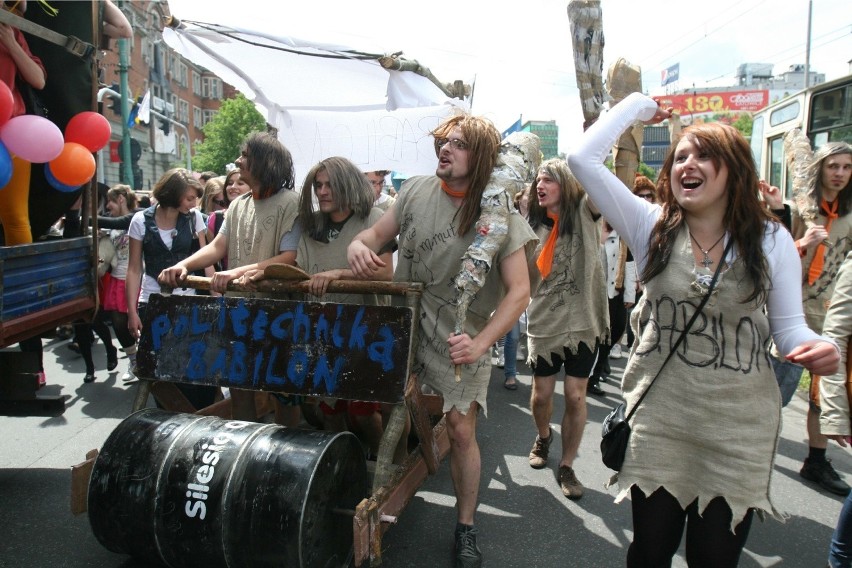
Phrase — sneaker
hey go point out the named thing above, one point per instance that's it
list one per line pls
(540, 449)
(823, 473)
(571, 486)
(468, 554)
(615, 352)
(129, 378)
(501, 360)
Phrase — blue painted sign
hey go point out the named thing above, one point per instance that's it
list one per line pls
(344, 351)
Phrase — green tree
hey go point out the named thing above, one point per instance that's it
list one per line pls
(647, 171)
(743, 123)
(225, 134)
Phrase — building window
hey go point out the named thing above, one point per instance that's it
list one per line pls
(196, 83)
(182, 73)
(197, 117)
(209, 115)
(211, 87)
(183, 111)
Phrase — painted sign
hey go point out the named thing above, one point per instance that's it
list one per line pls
(715, 102)
(347, 351)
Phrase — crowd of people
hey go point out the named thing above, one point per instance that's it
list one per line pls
(582, 252)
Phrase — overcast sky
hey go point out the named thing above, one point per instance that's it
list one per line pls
(519, 53)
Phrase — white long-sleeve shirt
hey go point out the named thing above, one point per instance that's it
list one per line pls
(634, 219)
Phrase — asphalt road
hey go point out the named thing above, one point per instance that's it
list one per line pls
(523, 518)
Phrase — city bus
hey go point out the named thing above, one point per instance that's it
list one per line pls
(823, 112)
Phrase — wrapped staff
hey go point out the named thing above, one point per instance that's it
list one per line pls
(799, 156)
(517, 164)
(587, 38)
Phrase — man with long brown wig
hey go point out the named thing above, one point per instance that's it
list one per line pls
(434, 217)
(823, 247)
(259, 229)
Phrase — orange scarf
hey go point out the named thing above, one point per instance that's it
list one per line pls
(815, 269)
(545, 258)
(450, 192)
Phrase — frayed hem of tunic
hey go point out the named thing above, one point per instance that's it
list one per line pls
(572, 346)
(763, 509)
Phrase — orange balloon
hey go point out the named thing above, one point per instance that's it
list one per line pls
(74, 166)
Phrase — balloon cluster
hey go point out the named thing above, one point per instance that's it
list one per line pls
(68, 162)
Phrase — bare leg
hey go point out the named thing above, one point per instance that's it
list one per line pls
(465, 464)
(815, 437)
(541, 403)
(574, 420)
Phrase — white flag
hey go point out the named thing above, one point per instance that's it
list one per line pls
(144, 114)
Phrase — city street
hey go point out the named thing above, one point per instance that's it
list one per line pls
(523, 518)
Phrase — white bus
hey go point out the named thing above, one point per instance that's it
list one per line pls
(823, 112)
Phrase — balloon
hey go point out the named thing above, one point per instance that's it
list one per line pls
(5, 165)
(89, 129)
(56, 184)
(75, 165)
(7, 103)
(32, 138)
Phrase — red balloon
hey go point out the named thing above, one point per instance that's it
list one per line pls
(89, 129)
(7, 103)
(74, 166)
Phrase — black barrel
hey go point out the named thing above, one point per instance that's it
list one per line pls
(188, 490)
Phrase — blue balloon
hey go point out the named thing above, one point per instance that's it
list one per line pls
(5, 166)
(56, 184)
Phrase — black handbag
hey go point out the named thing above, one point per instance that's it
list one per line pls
(615, 431)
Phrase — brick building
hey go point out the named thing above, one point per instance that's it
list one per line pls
(190, 95)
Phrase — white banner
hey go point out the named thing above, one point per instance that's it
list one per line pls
(373, 140)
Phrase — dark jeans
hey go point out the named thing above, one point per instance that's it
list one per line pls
(617, 324)
(840, 551)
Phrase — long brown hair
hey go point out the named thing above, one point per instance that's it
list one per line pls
(351, 189)
(483, 142)
(571, 192)
(745, 216)
(815, 180)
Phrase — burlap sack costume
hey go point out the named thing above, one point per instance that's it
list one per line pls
(429, 252)
(700, 434)
(570, 306)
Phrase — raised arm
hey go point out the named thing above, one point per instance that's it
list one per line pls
(631, 216)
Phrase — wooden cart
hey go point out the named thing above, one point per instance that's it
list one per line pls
(345, 351)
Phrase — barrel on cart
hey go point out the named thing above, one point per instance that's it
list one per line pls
(187, 490)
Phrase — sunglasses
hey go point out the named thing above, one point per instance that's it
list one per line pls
(646, 196)
(220, 202)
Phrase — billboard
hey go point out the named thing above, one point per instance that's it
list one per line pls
(688, 105)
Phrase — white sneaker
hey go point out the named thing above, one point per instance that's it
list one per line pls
(129, 378)
(615, 353)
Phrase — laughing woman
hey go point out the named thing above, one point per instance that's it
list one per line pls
(704, 439)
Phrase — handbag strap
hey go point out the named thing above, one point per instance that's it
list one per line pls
(686, 329)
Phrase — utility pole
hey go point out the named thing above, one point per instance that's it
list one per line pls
(808, 46)
(123, 65)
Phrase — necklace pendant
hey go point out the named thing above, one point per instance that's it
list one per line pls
(706, 261)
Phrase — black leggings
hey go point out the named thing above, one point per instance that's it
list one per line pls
(658, 523)
(119, 326)
(83, 337)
